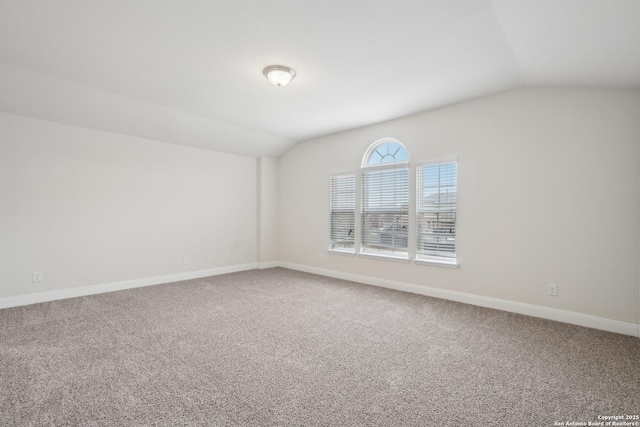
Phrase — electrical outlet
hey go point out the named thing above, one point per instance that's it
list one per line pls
(37, 277)
(185, 260)
(208, 258)
(552, 290)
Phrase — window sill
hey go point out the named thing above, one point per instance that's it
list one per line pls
(339, 252)
(384, 257)
(436, 263)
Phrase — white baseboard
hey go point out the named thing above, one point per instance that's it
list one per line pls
(118, 286)
(268, 264)
(499, 304)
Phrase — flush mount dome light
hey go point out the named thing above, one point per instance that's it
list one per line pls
(279, 75)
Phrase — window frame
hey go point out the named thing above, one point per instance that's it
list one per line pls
(434, 260)
(366, 251)
(411, 255)
(345, 251)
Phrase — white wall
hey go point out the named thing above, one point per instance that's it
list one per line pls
(548, 193)
(267, 209)
(89, 207)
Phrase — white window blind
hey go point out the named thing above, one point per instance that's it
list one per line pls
(385, 211)
(436, 211)
(343, 212)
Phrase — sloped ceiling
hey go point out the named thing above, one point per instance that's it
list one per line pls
(190, 71)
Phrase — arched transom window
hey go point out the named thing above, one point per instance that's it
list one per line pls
(384, 151)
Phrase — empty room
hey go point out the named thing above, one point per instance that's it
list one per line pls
(320, 213)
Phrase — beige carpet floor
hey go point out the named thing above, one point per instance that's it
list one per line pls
(283, 348)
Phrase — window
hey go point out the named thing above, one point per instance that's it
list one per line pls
(342, 201)
(385, 199)
(436, 212)
(385, 151)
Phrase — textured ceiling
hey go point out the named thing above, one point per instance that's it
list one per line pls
(190, 71)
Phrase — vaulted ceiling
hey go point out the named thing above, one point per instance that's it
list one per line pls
(190, 71)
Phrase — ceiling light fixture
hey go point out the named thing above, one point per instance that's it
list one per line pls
(279, 75)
